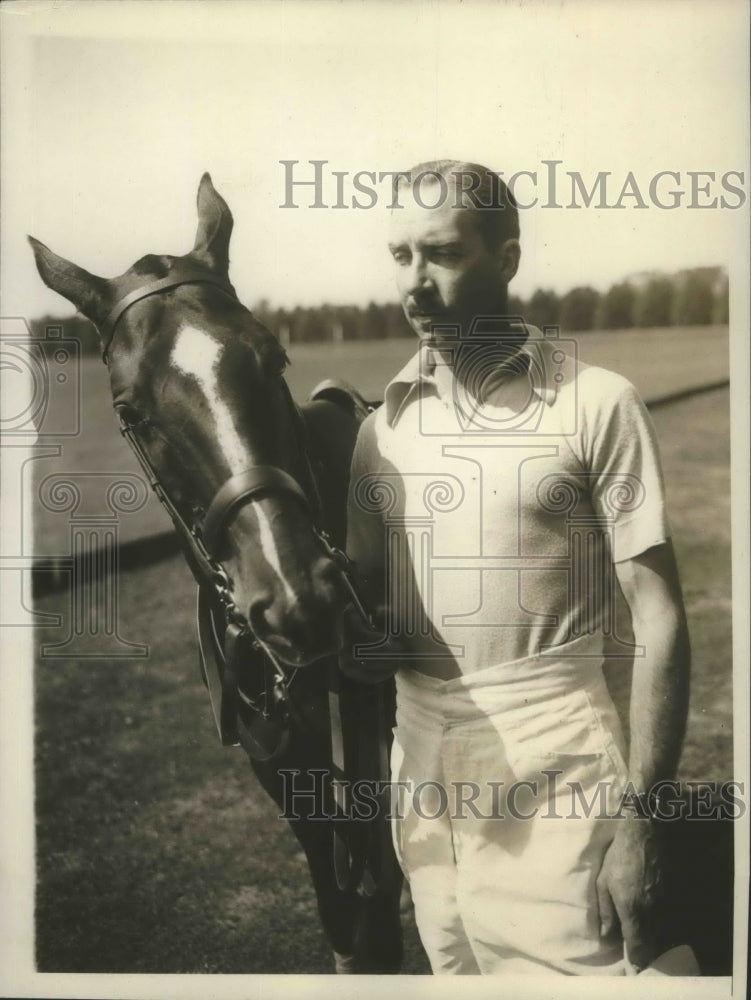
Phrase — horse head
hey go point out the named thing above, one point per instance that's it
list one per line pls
(199, 381)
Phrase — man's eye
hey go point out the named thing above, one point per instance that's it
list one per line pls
(400, 257)
(447, 255)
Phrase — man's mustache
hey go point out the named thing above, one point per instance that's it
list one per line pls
(423, 304)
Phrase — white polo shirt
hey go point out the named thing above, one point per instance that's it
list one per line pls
(494, 503)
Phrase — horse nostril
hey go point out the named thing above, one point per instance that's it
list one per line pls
(307, 621)
(258, 615)
(327, 578)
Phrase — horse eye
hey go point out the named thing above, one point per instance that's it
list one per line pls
(128, 414)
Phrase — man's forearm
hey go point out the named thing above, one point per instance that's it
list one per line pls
(628, 883)
(660, 684)
(659, 698)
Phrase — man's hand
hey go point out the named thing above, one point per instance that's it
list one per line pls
(628, 889)
(369, 669)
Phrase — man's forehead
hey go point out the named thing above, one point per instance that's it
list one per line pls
(430, 216)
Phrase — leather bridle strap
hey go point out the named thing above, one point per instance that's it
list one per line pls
(186, 276)
(253, 482)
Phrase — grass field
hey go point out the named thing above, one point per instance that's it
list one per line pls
(656, 361)
(156, 850)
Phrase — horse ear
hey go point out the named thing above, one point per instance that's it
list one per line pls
(214, 227)
(88, 293)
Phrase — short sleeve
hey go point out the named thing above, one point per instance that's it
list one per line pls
(623, 464)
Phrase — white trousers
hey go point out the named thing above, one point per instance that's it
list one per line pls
(500, 769)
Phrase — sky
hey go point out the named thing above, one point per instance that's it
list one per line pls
(113, 112)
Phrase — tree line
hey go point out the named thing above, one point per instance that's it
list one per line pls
(693, 297)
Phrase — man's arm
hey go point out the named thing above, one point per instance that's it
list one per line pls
(659, 705)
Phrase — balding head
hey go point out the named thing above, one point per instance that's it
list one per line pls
(470, 186)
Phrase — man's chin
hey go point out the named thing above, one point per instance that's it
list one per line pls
(433, 329)
(442, 337)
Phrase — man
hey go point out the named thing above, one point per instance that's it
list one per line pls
(492, 498)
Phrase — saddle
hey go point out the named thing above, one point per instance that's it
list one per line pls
(346, 397)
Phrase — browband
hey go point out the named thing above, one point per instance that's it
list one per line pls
(173, 280)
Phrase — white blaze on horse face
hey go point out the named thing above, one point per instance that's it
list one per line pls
(197, 354)
(270, 553)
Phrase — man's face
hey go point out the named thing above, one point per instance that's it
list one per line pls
(445, 273)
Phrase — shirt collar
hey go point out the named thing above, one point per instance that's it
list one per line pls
(421, 373)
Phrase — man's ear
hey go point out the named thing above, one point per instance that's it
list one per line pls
(509, 254)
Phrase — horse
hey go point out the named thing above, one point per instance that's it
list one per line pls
(256, 487)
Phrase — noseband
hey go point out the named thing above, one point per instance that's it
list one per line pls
(257, 480)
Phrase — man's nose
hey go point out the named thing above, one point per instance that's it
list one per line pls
(419, 275)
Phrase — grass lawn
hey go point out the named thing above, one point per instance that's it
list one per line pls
(656, 361)
(156, 850)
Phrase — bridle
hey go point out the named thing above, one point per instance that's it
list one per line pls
(202, 541)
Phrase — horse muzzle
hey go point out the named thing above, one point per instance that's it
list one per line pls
(303, 625)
